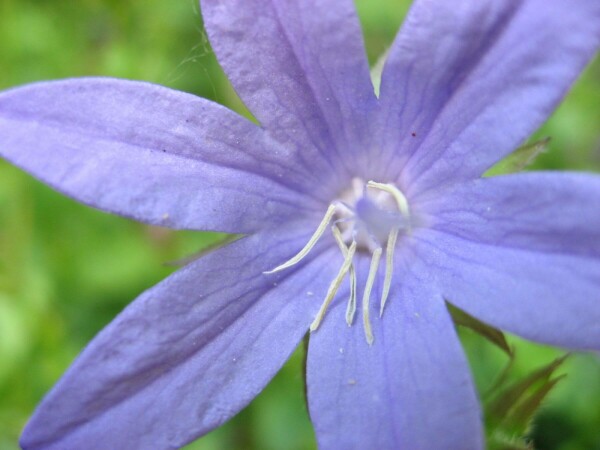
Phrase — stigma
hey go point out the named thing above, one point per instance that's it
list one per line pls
(366, 218)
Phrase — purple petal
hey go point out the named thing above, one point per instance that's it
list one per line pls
(300, 67)
(522, 253)
(411, 389)
(150, 153)
(188, 354)
(472, 80)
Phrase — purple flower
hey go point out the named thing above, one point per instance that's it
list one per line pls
(346, 200)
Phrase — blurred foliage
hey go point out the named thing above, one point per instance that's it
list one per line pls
(66, 270)
(520, 159)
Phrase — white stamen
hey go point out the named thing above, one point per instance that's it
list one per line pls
(348, 226)
(395, 192)
(389, 267)
(311, 243)
(334, 286)
(367, 294)
(351, 309)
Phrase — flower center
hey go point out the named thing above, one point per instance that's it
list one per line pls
(365, 218)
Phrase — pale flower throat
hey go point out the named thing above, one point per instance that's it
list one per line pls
(366, 217)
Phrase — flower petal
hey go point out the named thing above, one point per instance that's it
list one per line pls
(472, 80)
(411, 389)
(522, 253)
(147, 152)
(187, 355)
(300, 67)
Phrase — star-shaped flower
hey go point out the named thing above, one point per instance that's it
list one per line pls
(361, 215)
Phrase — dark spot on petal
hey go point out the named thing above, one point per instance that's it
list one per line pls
(413, 134)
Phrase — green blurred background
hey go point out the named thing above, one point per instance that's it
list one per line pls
(66, 270)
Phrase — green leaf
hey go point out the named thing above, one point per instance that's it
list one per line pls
(510, 397)
(520, 418)
(519, 159)
(509, 415)
(490, 333)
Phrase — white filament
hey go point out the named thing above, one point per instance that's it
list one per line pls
(334, 286)
(311, 243)
(389, 267)
(367, 294)
(394, 192)
(351, 309)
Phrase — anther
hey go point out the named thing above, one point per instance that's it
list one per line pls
(367, 294)
(311, 243)
(334, 286)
